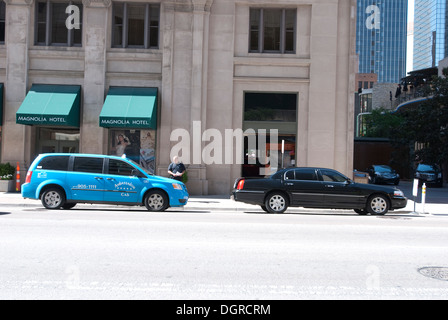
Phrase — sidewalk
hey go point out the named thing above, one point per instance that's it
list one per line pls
(219, 202)
(222, 202)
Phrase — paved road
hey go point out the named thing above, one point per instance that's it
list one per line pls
(203, 254)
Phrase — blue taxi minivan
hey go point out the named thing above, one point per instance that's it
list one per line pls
(62, 180)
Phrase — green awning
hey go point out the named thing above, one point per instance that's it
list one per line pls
(1, 104)
(50, 105)
(130, 107)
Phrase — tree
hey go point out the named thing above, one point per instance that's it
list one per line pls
(427, 123)
(382, 123)
(424, 124)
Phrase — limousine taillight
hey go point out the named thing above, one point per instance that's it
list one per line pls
(240, 185)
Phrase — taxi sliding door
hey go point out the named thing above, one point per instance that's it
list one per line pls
(86, 180)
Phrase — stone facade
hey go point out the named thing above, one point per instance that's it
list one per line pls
(381, 95)
(202, 69)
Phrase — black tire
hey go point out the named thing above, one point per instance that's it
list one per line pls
(361, 212)
(276, 202)
(68, 206)
(377, 204)
(53, 198)
(156, 201)
(264, 208)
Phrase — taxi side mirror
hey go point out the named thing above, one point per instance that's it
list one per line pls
(136, 173)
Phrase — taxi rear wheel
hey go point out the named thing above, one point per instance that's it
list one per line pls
(53, 198)
(156, 200)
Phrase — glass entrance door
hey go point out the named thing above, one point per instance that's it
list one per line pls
(57, 141)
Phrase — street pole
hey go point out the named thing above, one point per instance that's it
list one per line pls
(283, 151)
(423, 197)
(415, 192)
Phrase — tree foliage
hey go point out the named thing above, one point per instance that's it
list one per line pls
(425, 123)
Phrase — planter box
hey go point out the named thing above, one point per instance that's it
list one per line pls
(7, 186)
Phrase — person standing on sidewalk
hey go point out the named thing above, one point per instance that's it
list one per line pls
(176, 169)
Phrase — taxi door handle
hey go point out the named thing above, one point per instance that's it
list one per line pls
(110, 179)
(98, 178)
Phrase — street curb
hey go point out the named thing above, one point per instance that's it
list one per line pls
(221, 203)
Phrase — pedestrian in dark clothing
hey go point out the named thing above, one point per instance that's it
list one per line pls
(176, 169)
(398, 92)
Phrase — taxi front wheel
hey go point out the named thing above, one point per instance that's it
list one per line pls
(156, 200)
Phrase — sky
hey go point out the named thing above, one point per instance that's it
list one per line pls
(410, 45)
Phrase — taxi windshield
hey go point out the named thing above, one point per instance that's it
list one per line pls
(139, 166)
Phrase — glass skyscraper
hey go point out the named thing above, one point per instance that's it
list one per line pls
(430, 33)
(381, 38)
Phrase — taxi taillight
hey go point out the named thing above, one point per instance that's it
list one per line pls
(240, 185)
(28, 176)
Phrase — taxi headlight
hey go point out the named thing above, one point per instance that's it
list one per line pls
(177, 186)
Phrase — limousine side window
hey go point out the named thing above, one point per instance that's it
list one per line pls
(88, 164)
(289, 175)
(120, 168)
(332, 176)
(59, 163)
(306, 174)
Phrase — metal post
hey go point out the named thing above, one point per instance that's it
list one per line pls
(423, 197)
(283, 151)
(415, 192)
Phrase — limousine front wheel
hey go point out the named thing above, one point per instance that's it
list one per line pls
(53, 198)
(156, 201)
(377, 204)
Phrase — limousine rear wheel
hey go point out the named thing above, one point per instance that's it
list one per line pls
(276, 203)
(156, 200)
(53, 198)
(377, 204)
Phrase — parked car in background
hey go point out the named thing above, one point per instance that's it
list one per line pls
(429, 174)
(379, 173)
(317, 188)
(62, 180)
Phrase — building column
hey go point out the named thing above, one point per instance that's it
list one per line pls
(184, 85)
(95, 26)
(198, 112)
(16, 139)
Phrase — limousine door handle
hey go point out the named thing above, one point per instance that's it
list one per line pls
(329, 186)
(289, 183)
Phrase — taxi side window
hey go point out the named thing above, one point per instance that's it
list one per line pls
(59, 163)
(88, 164)
(120, 168)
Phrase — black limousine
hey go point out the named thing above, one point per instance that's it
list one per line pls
(317, 188)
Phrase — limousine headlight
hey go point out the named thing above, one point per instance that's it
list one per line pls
(398, 193)
(177, 186)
